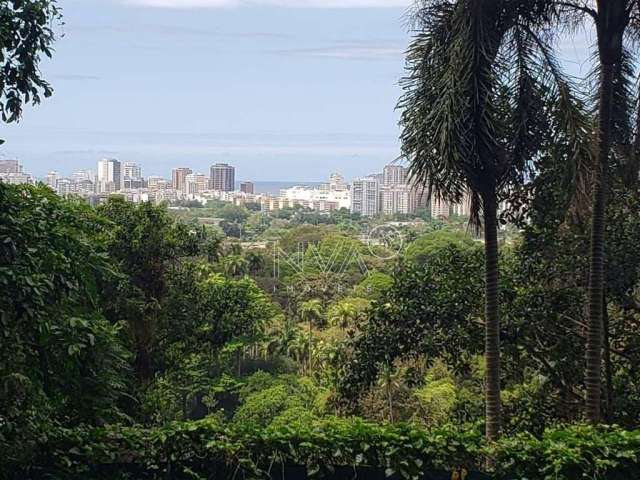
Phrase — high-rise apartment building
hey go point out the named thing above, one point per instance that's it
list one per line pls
(365, 196)
(394, 175)
(223, 177)
(195, 183)
(131, 170)
(247, 187)
(179, 178)
(109, 175)
(132, 176)
(396, 199)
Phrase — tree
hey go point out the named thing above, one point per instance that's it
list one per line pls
(426, 245)
(613, 21)
(234, 265)
(144, 240)
(310, 312)
(431, 310)
(374, 285)
(234, 214)
(255, 262)
(343, 314)
(204, 317)
(480, 79)
(25, 34)
(61, 362)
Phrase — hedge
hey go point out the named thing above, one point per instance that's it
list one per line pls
(205, 449)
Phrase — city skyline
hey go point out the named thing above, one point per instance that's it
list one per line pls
(389, 192)
(94, 167)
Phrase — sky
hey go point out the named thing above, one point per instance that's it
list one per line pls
(287, 90)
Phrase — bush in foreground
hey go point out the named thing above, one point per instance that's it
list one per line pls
(206, 449)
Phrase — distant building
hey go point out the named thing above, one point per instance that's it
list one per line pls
(394, 175)
(65, 186)
(11, 173)
(195, 183)
(419, 198)
(131, 170)
(132, 176)
(329, 196)
(52, 179)
(158, 183)
(109, 175)
(179, 178)
(222, 177)
(396, 199)
(81, 175)
(365, 196)
(247, 187)
(10, 166)
(337, 183)
(133, 183)
(84, 187)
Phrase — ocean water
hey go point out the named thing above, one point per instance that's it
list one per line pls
(274, 188)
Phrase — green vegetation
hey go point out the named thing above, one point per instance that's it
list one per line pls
(124, 321)
(142, 341)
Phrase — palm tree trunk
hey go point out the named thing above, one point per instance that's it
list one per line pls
(593, 372)
(310, 339)
(492, 319)
(608, 371)
(390, 399)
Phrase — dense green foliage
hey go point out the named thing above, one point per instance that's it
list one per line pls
(26, 33)
(401, 345)
(218, 341)
(205, 449)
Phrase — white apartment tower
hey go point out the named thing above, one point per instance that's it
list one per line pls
(131, 170)
(365, 196)
(109, 175)
(396, 199)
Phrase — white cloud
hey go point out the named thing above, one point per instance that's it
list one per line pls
(272, 3)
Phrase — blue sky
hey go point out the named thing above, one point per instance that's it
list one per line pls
(283, 89)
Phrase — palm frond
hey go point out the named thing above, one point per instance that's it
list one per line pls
(572, 120)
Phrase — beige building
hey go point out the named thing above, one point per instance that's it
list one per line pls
(195, 183)
(396, 199)
(179, 178)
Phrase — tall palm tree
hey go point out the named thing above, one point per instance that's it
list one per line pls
(255, 262)
(234, 265)
(614, 20)
(482, 88)
(310, 312)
